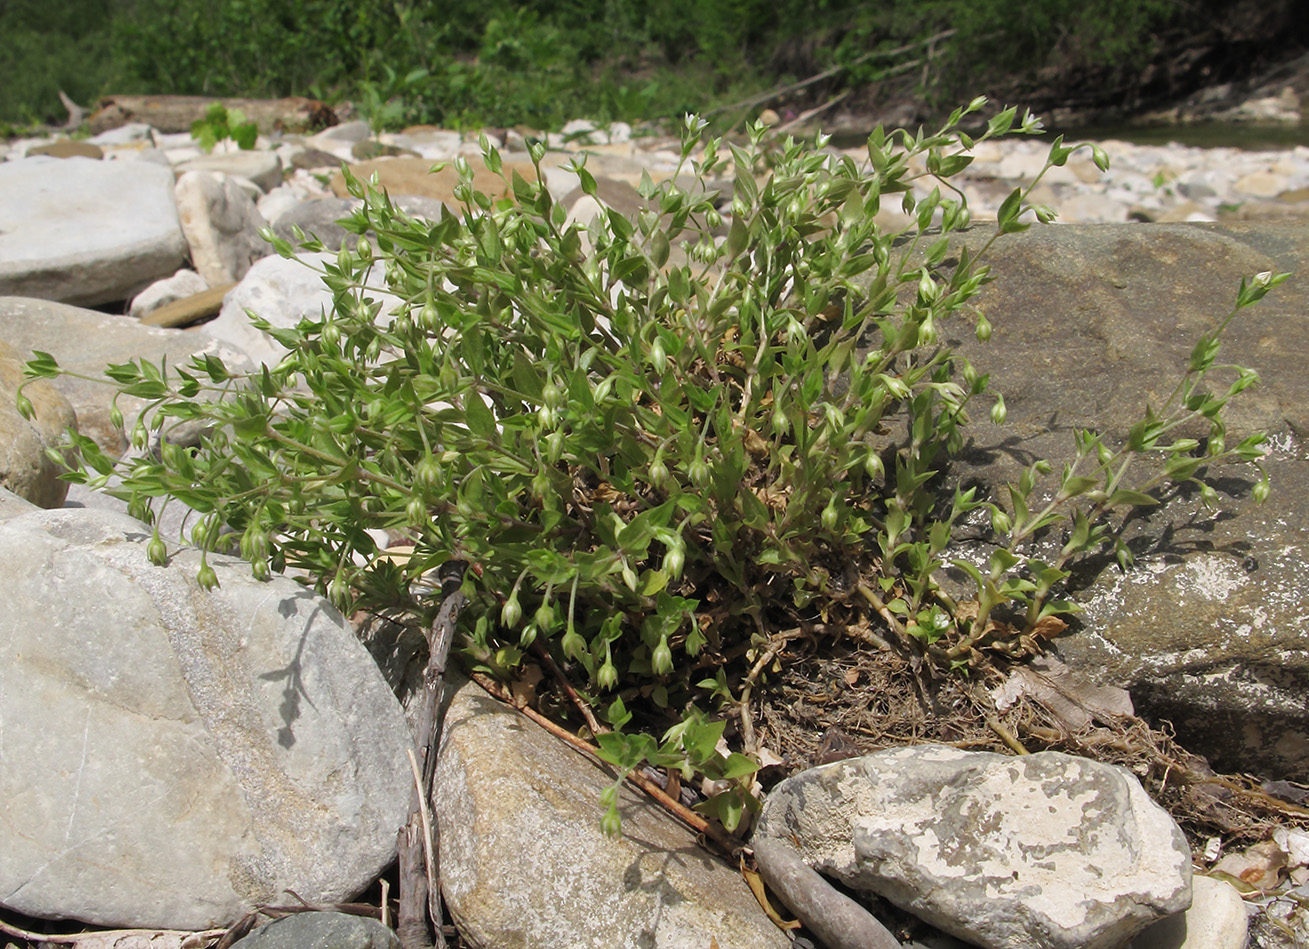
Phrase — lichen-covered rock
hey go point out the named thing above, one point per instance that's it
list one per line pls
(1045, 851)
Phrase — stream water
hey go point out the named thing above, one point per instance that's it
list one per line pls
(1248, 136)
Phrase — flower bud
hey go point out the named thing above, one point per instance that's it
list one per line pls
(831, 515)
(662, 658)
(699, 473)
(206, 576)
(611, 825)
(554, 446)
(157, 550)
(416, 511)
(1260, 492)
(545, 618)
(675, 559)
(658, 471)
(429, 318)
(427, 472)
(511, 612)
(998, 411)
(573, 645)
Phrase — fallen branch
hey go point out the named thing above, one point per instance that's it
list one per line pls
(829, 73)
(108, 938)
(833, 917)
(418, 845)
(805, 116)
(728, 844)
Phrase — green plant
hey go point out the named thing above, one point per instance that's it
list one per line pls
(222, 124)
(390, 102)
(665, 443)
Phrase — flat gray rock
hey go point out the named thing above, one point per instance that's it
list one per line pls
(1045, 851)
(524, 862)
(263, 168)
(83, 231)
(174, 758)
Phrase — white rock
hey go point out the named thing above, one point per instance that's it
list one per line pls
(25, 469)
(124, 135)
(348, 132)
(1217, 919)
(84, 231)
(281, 199)
(1045, 851)
(263, 168)
(283, 292)
(433, 144)
(1262, 184)
(1092, 208)
(185, 283)
(85, 341)
(221, 225)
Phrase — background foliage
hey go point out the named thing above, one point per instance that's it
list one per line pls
(498, 62)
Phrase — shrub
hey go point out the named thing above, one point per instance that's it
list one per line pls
(661, 441)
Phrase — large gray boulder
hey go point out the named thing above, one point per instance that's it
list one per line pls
(525, 863)
(174, 758)
(1045, 851)
(1092, 322)
(84, 231)
(84, 342)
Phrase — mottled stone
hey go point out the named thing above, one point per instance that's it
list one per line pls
(1045, 851)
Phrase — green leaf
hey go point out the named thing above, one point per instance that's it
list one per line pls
(478, 416)
(1123, 497)
(1002, 122)
(737, 766)
(737, 237)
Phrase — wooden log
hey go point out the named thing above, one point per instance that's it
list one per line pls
(176, 113)
(190, 309)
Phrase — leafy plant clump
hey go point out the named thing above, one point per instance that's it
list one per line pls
(664, 443)
(222, 124)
